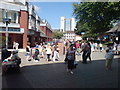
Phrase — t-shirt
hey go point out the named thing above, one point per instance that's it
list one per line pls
(109, 55)
(71, 55)
(28, 49)
(48, 50)
(37, 46)
(77, 45)
(85, 47)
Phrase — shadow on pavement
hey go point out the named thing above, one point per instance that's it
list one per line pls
(91, 75)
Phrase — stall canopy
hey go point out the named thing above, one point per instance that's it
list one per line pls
(117, 27)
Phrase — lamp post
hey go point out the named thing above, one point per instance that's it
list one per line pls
(6, 20)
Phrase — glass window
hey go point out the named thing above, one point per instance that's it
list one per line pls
(42, 28)
(15, 16)
(1, 15)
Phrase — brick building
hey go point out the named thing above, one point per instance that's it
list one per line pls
(25, 26)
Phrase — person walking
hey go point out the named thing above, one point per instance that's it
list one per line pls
(78, 48)
(89, 52)
(67, 44)
(28, 52)
(36, 53)
(96, 46)
(41, 50)
(109, 58)
(92, 47)
(84, 48)
(56, 52)
(101, 47)
(71, 59)
(16, 45)
(48, 51)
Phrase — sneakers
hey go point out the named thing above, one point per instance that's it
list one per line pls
(35, 60)
(71, 72)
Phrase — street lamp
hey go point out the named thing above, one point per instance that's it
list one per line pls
(7, 21)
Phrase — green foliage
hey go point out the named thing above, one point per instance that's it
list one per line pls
(95, 17)
(57, 35)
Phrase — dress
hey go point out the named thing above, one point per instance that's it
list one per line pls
(71, 59)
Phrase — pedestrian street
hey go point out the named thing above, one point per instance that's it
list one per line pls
(45, 74)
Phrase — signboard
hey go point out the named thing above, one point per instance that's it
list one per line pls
(22, 30)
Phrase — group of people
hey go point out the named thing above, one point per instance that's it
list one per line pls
(42, 50)
(73, 48)
(86, 47)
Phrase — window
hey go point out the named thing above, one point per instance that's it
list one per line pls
(1, 15)
(42, 28)
(15, 16)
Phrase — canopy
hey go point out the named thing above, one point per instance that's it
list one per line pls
(117, 27)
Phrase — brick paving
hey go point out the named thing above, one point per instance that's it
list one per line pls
(45, 74)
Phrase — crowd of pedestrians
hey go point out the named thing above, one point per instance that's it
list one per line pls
(50, 53)
(72, 48)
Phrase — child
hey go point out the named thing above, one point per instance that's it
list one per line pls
(109, 58)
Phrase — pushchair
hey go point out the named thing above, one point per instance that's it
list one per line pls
(10, 65)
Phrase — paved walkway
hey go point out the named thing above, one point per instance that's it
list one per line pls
(45, 74)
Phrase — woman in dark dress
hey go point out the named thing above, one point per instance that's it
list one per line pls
(71, 59)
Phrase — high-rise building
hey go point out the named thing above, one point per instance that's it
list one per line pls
(67, 24)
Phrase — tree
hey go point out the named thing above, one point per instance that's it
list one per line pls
(96, 17)
(57, 35)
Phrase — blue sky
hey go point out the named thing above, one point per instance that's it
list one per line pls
(52, 11)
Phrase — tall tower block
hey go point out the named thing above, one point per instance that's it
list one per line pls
(62, 24)
(73, 24)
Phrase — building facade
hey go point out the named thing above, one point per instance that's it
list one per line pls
(25, 25)
(67, 24)
(70, 35)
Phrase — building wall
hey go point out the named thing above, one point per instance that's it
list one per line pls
(24, 24)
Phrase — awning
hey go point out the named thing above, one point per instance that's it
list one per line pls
(117, 27)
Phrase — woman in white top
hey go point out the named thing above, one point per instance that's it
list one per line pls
(101, 47)
(48, 51)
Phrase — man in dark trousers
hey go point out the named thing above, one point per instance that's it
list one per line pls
(84, 48)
